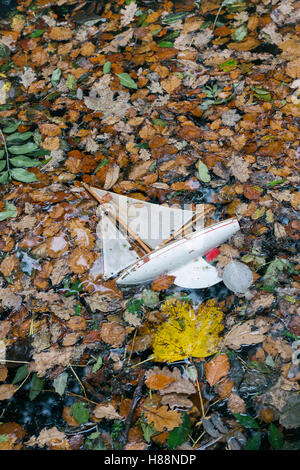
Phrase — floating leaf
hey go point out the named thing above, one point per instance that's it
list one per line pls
(246, 421)
(80, 412)
(60, 383)
(10, 211)
(19, 136)
(20, 149)
(106, 67)
(159, 381)
(55, 77)
(179, 435)
(162, 418)
(98, 364)
(203, 172)
(36, 386)
(240, 33)
(229, 65)
(187, 333)
(12, 127)
(275, 437)
(165, 44)
(25, 176)
(21, 373)
(71, 82)
(174, 17)
(253, 443)
(4, 177)
(24, 162)
(37, 33)
(127, 81)
(217, 368)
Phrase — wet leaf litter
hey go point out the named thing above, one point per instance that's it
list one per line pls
(173, 104)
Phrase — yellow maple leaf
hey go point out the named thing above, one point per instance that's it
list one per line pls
(188, 333)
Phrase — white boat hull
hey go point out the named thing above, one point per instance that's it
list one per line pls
(176, 256)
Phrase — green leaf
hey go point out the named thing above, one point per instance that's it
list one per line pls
(179, 435)
(148, 430)
(246, 421)
(3, 438)
(274, 183)
(36, 386)
(165, 44)
(10, 211)
(98, 364)
(160, 122)
(12, 127)
(135, 306)
(37, 33)
(60, 383)
(80, 412)
(22, 161)
(55, 77)
(1, 154)
(275, 437)
(4, 177)
(253, 443)
(20, 149)
(103, 162)
(106, 67)
(203, 172)
(2, 165)
(174, 17)
(19, 136)
(21, 373)
(71, 82)
(240, 32)
(25, 176)
(127, 81)
(229, 65)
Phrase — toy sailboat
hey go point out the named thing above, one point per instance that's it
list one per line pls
(155, 230)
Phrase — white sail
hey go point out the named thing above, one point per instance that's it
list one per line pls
(152, 223)
(117, 252)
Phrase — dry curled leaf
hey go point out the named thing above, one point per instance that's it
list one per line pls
(250, 332)
(106, 411)
(112, 176)
(52, 438)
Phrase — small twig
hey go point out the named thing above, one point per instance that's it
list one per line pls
(135, 399)
(83, 389)
(6, 151)
(209, 443)
(200, 397)
(132, 346)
